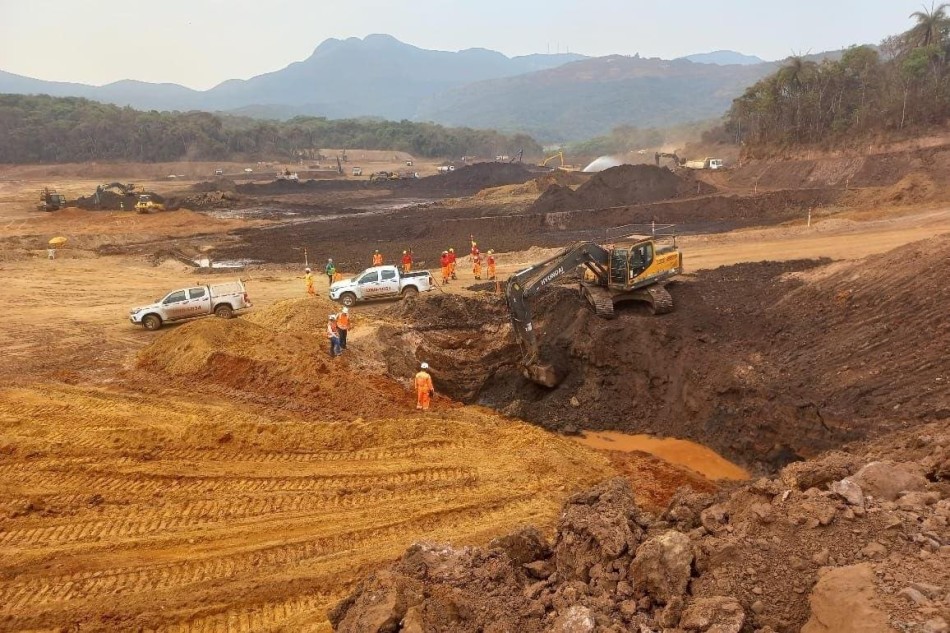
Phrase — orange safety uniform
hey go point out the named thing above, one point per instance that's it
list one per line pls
(343, 327)
(491, 266)
(377, 259)
(406, 263)
(477, 266)
(452, 262)
(424, 390)
(446, 268)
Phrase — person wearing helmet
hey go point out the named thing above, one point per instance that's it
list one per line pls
(330, 270)
(377, 258)
(446, 267)
(477, 264)
(308, 277)
(343, 326)
(490, 261)
(452, 263)
(406, 261)
(424, 388)
(333, 335)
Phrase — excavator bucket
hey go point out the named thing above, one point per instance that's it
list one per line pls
(542, 374)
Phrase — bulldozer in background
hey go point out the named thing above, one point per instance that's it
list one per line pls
(633, 268)
(50, 200)
(145, 204)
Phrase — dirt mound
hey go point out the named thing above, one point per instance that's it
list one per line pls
(112, 201)
(622, 185)
(278, 356)
(218, 184)
(535, 186)
(807, 547)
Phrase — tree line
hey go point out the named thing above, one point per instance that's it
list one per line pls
(901, 85)
(44, 129)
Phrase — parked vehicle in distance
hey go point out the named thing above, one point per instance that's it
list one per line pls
(222, 300)
(218, 172)
(444, 169)
(357, 171)
(381, 282)
(706, 163)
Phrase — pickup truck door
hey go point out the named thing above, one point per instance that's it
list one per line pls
(199, 301)
(388, 282)
(174, 305)
(369, 285)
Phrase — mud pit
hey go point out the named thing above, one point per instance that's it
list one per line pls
(766, 363)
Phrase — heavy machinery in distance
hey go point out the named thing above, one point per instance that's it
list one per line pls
(677, 161)
(50, 200)
(560, 156)
(147, 205)
(634, 268)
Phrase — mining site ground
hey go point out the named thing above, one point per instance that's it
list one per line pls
(227, 475)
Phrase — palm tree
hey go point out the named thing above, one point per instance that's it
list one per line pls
(931, 27)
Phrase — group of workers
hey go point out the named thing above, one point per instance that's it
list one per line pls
(337, 327)
(406, 260)
(447, 262)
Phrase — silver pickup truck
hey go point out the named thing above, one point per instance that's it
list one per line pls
(381, 282)
(222, 300)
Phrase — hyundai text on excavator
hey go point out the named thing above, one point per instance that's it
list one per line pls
(635, 268)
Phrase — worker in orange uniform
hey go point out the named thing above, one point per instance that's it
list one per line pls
(477, 265)
(424, 389)
(474, 247)
(446, 267)
(377, 258)
(491, 264)
(308, 277)
(406, 261)
(333, 336)
(452, 263)
(343, 326)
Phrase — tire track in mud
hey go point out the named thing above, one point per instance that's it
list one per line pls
(265, 617)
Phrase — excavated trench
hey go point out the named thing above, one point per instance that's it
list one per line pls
(740, 366)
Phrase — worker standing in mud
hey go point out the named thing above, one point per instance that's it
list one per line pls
(343, 326)
(308, 277)
(333, 335)
(377, 258)
(424, 389)
(406, 261)
(477, 265)
(330, 270)
(446, 267)
(491, 264)
(452, 263)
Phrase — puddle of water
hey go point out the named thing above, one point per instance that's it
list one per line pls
(696, 457)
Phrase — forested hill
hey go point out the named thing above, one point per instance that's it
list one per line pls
(902, 86)
(42, 129)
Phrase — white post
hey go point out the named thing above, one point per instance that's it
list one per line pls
(809, 217)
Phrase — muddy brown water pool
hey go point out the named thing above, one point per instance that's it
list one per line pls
(696, 457)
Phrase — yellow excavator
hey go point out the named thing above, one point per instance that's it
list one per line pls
(635, 268)
(147, 205)
(562, 165)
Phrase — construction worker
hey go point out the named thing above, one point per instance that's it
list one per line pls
(474, 247)
(330, 270)
(452, 263)
(424, 389)
(406, 261)
(446, 267)
(491, 264)
(308, 277)
(377, 258)
(343, 326)
(333, 335)
(477, 265)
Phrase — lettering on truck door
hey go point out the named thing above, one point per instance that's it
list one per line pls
(369, 285)
(174, 305)
(199, 301)
(389, 282)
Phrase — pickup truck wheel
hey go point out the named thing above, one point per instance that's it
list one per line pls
(224, 311)
(152, 322)
(410, 291)
(348, 299)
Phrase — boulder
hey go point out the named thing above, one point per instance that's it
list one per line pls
(887, 480)
(662, 566)
(848, 490)
(843, 601)
(717, 614)
(576, 619)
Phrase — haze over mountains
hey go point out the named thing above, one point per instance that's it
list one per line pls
(555, 97)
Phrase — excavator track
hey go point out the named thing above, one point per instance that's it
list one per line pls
(600, 300)
(661, 301)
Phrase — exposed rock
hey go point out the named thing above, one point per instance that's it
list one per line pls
(936, 625)
(887, 480)
(576, 619)
(805, 475)
(662, 566)
(717, 614)
(849, 491)
(913, 596)
(843, 601)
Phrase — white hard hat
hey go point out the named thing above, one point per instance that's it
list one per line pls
(332, 317)
(306, 270)
(346, 310)
(424, 365)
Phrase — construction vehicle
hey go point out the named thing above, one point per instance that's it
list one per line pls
(288, 175)
(706, 163)
(671, 155)
(147, 205)
(357, 171)
(635, 268)
(563, 166)
(50, 200)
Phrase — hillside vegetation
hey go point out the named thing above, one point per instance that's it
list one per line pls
(39, 129)
(902, 85)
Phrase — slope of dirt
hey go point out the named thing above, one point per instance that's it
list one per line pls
(845, 543)
(534, 187)
(622, 185)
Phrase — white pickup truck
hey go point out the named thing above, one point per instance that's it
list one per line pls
(221, 300)
(381, 282)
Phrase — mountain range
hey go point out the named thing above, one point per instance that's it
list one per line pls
(555, 97)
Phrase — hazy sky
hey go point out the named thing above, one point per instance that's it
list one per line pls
(199, 43)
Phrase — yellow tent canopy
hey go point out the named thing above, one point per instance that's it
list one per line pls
(58, 241)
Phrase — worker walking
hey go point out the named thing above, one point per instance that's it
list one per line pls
(308, 277)
(477, 265)
(424, 388)
(343, 326)
(491, 264)
(330, 270)
(377, 258)
(333, 335)
(406, 261)
(446, 267)
(452, 263)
